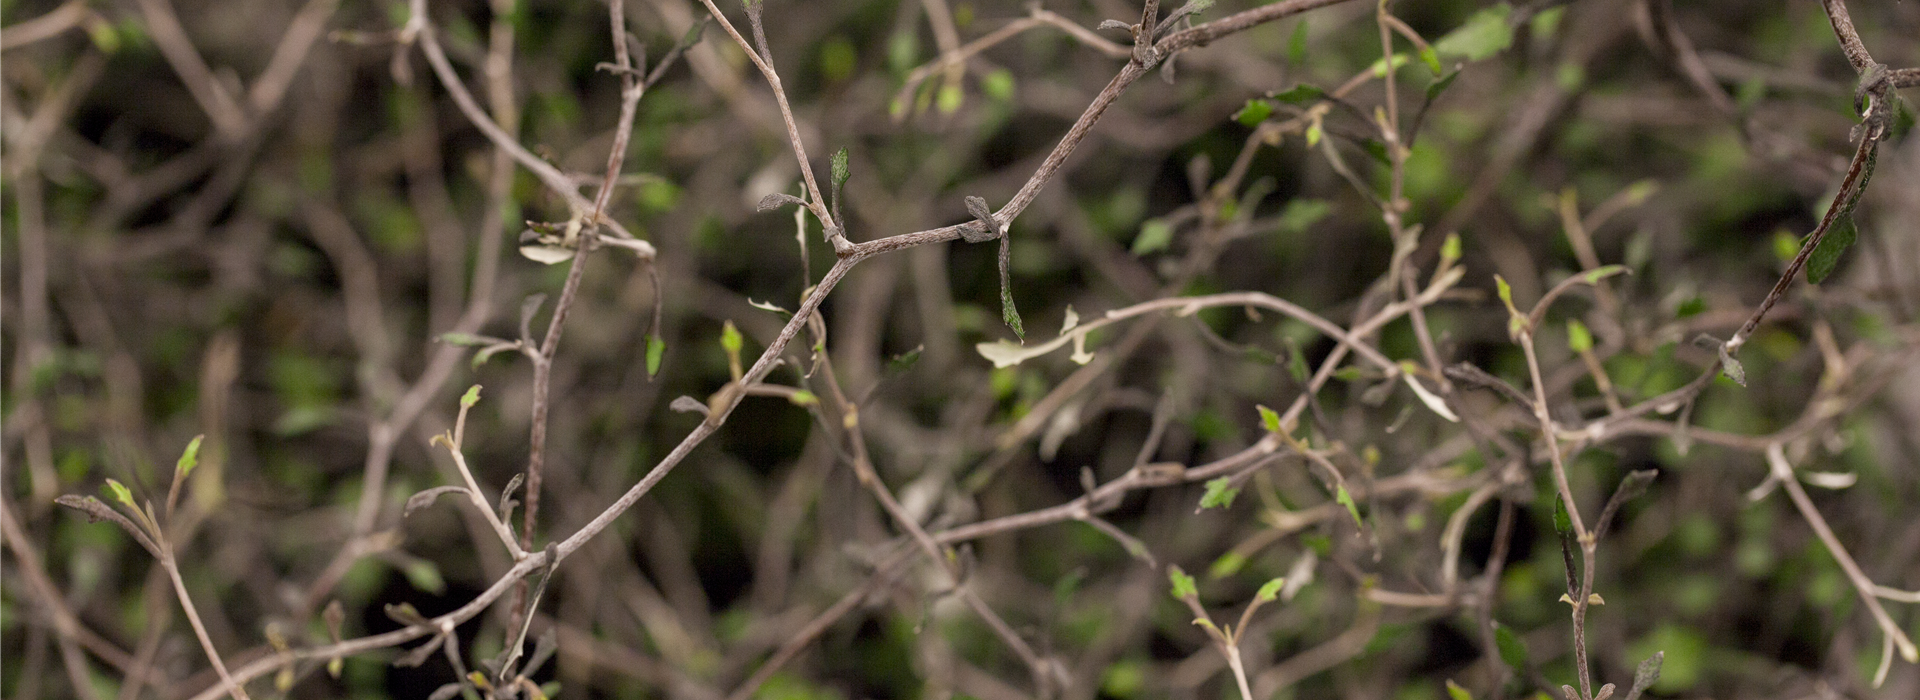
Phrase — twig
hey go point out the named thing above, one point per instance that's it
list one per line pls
(1782, 471)
(815, 202)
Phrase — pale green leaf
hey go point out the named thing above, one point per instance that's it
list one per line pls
(1220, 493)
(1484, 34)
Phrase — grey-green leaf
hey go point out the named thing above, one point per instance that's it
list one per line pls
(1826, 256)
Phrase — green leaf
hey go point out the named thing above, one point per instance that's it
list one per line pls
(1785, 245)
(1301, 213)
(1301, 95)
(1009, 314)
(1220, 493)
(1826, 256)
(1482, 35)
(1432, 58)
(1511, 649)
(803, 398)
(1297, 363)
(188, 459)
(1455, 692)
(1341, 496)
(1731, 368)
(118, 491)
(425, 575)
(1645, 676)
(1594, 275)
(1450, 249)
(949, 98)
(998, 84)
(462, 339)
(1269, 419)
(899, 364)
(470, 398)
(1516, 321)
(1254, 112)
(1227, 565)
(1561, 523)
(1297, 44)
(1579, 339)
(1183, 585)
(1380, 66)
(1270, 590)
(1314, 132)
(1155, 234)
(730, 338)
(104, 37)
(656, 349)
(841, 171)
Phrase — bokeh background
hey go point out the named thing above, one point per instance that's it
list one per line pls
(277, 275)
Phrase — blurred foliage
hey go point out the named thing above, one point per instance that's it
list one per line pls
(155, 243)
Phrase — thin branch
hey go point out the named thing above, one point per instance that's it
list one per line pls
(1868, 590)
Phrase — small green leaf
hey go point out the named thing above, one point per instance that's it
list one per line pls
(425, 575)
(1297, 363)
(1594, 275)
(1511, 649)
(1561, 523)
(1826, 256)
(1516, 321)
(462, 339)
(656, 349)
(104, 37)
(1380, 66)
(189, 459)
(840, 170)
(1297, 44)
(1450, 248)
(1785, 245)
(899, 364)
(803, 398)
(1269, 419)
(118, 491)
(1731, 367)
(470, 398)
(1009, 314)
(1183, 585)
(1155, 234)
(1482, 35)
(998, 84)
(1227, 565)
(1455, 692)
(1220, 493)
(1270, 590)
(1301, 95)
(1579, 339)
(1432, 59)
(949, 98)
(1377, 150)
(1648, 674)
(730, 339)
(1301, 213)
(1691, 306)
(1255, 112)
(1314, 131)
(1341, 496)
